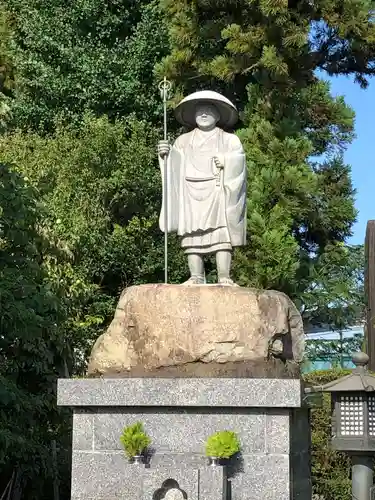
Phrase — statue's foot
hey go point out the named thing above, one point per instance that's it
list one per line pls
(226, 282)
(194, 280)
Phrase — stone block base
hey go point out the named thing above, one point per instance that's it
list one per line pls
(179, 415)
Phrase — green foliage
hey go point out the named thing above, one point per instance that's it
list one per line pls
(32, 350)
(222, 444)
(95, 55)
(81, 189)
(101, 189)
(330, 469)
(334, 289)
(6, 68)
(268, 41)
(134, 440)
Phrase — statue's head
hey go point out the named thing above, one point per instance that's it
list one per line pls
(206, 116)
(206, 109)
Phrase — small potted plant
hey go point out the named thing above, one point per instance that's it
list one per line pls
(135, 441)
(221, 445)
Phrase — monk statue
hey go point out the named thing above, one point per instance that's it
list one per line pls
(206, 184)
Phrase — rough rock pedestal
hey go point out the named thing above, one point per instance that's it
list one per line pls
(197, 331)
(180, 412)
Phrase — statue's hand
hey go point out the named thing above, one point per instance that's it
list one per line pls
(218, 163)
(163, 149)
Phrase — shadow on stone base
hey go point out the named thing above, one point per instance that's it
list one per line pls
(272, 368)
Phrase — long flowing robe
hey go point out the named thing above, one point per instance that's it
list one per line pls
(206, 205)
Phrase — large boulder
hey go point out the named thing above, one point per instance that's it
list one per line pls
(190, 329)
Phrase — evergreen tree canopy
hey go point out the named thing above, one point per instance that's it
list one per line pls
(95, 55)
(274, 42)
(334, 291)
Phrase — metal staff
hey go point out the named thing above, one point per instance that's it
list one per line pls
(165, 87)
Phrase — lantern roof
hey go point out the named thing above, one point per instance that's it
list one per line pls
(360, 380)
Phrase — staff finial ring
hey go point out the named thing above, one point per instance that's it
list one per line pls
(164, 87)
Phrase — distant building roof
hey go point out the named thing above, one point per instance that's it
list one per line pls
(316, 333)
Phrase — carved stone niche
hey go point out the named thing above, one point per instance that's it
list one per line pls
(170, 490)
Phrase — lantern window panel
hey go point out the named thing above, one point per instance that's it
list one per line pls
(352, 415)
(371, 415)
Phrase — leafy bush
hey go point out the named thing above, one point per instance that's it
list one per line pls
(223, 444)
(100, 188)
(134, 440)
(33, 350)
(330, 469)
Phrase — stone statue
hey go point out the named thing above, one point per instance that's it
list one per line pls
(206, 184)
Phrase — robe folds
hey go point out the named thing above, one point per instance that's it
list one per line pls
(206, 205)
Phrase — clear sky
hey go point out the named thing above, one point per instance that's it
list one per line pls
(361, 153)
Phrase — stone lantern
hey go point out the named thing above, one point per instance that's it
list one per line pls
(353, 422)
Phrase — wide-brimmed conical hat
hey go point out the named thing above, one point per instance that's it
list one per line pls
(185, 111)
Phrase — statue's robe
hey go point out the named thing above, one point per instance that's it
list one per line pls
(206, 206)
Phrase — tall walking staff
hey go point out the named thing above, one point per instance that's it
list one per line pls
(165, 87)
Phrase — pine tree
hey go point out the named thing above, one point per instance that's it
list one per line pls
(264, 56)
(274, 42)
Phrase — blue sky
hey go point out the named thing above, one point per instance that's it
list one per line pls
(361, 153)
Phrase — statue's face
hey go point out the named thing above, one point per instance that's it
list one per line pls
(206, 116)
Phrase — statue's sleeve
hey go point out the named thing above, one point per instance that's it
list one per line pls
(171, 188)
(234, 182)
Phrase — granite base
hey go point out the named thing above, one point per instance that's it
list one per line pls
(179, 415)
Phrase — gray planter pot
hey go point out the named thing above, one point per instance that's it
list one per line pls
(138, 459)
(214, 462)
